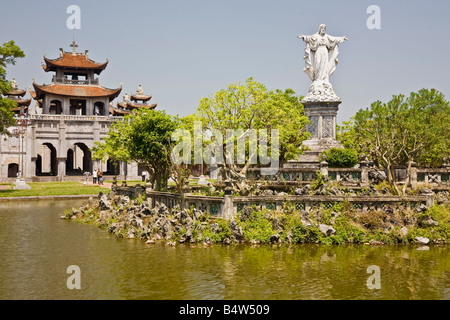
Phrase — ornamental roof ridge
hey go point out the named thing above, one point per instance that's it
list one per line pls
(73, 60)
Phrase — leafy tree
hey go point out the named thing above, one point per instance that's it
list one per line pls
(402, 131)
(9, 52)
(143, 136)
(252, 106)
(114, 146)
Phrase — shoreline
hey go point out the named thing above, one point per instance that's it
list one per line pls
(136, 219)
(54, 197)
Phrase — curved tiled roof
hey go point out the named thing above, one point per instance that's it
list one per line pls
(16, 92)
(70, 60)
(22, 102)
(75, 91)
(131, 105)
(140, 97)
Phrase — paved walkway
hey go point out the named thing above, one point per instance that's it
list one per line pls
(104, 185)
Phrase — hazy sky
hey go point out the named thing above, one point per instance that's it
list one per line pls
(183, 50)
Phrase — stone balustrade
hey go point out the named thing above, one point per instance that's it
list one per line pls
(66, 117)
(362, 175)
(229, 205)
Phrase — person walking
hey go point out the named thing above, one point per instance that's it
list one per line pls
(144, 175)
(94, 176)
(100, 177)
(86, 177)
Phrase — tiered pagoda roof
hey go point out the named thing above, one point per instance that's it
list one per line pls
(136, 101)
(17, 95)
(73, 61)
(74, 64)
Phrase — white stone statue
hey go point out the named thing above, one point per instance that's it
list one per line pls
(126, 97)
(321, 53)
(140, 91)
(14, 85)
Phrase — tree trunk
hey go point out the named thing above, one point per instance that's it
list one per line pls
(391, 179)
(408, 177)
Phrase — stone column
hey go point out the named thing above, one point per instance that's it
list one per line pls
(324, 167)
(33, 167)
(61, 163)
(61, 155)
(46, 105)
(364, 165)
(89, 107)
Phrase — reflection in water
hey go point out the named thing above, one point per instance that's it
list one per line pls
(36, 247)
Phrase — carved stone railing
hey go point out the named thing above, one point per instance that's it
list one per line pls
(309, 174)
(308, 203)
(432, 176)
(229, 206)
(436, 177)
(65, 117)
(73, 81)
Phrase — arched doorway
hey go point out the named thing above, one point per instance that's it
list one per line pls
(55, 107)
(13, 169)
(77, 107)
(99, 108)
(46, 163)
(79, 159)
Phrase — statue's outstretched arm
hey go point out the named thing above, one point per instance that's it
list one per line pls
(304, 38)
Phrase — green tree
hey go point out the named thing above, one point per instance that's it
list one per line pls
(9, 52)
(252, 106)
(143, 136)
(402, 131)
(114, 146)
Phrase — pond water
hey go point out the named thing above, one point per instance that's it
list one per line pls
(36, 248)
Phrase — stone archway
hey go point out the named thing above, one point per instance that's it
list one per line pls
(99, 108)
(55, 107)
(46, 162)
(13, 169)
(79, 159)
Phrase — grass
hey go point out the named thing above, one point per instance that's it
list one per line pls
(53, 189)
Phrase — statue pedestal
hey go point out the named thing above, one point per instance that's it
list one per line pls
(323, 133)
(20, 184)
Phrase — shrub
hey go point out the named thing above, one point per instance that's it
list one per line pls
(341, 158)
(257, 227)
(223, 231)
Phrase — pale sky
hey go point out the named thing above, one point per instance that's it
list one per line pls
(183, 50)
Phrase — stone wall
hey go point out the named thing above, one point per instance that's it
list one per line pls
(228, 206)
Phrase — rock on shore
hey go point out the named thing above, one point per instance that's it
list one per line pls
(134, 218)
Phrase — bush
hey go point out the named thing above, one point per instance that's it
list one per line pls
(257, 227)
(341, 158)
(219, 233)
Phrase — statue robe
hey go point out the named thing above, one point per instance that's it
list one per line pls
(321, 56)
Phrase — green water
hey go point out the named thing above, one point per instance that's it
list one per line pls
(36, 247)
